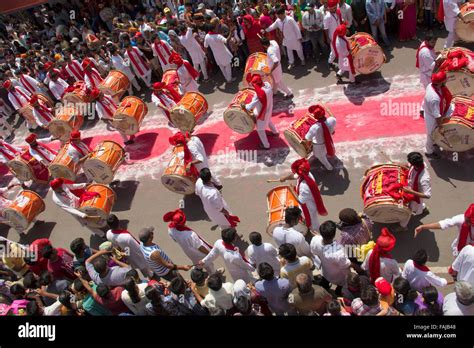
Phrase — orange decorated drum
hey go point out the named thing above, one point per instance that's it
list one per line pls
(63, 166)
(257, 63)
(460, 80)
(367, 55)
(383, 198)
(171, 78)
(278, 199)
(175, 177)
(458, 128)
(68, 119)
(80, 94)
(27, 110)
(104, 161)
(465, 31)
(25, 168)
(115, 84)
(188, 111)
(101, 205)
(238, 119)
(129, 115)
(24, 209)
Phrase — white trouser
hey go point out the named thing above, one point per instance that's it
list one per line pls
(96, 231)
(425, 80)
(320, 152)
(226, 71)
(291, 56)
(261, 126)
(430, 126)
(450, 39)
(201, 66)
(313, 213)
(282, 87)
(332, 56)
(416, 208)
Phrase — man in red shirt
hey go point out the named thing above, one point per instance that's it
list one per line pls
(60, 262)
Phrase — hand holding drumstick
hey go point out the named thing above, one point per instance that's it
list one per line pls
(282, 179)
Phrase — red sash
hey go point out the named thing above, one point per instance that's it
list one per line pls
(157, 46)
(445, 97)
(262, 96)
(465, 229)
(79, 149)
(40, 148)
(193, 72)
(76, 70)
(134, 62)
(45, 112)
(349, 56)
(440, 14)
(314, 192)
(16, 90)
(234, 248)
(330, 149)
(422, 268)
(104, 101)
(339, 14)
(10, 153)
(423, 45)
(374, 262)
(416, 180)
(27, 84)
(91, 74)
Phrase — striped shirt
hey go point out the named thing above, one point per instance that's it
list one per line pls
(156, 267)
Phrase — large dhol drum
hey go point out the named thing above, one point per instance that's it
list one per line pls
(238, 119)
(257, 63)
(115, 84)
(458, 128)
(80, 94)
(465, 31)
(188, 111)
(171, 78)
(104, 161)
(27, 110)
(67, 120)
(24, 209)
(175, 178)
(25, 168)
(295, 134)
(63, 166)
(278, 199)
(460, 79)
(367, 55)
(129, 115)
(379, 202)
(101, 205)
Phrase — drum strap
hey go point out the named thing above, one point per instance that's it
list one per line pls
(8, 151)
(93, 75)
(135, 63)
(158, 51)
(74, 68)
(27, 84)
(108, 105)
(44, 112)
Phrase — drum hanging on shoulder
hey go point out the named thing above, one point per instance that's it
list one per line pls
(171, 78)
(458, 132)
(186, 114)
(366, 53)
(115, 84)
(381, 201)
(100, 205)
(80, 94)
(175, 178)
(129, 115)
(24, 209)
(278, 199)
(64, 166)
(257, 63)
(67, 120)
(465, 31)
(27, 110)
(25, 168)
(104, 161)
(459, 77)
(237, 118)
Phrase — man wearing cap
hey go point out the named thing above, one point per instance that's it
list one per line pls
(92, 77)
(165, 97)
(332, 20)
(379, 261)
(39, 151)
(41, 112)
(162, 50)
(198, 56)
(343, 54)
(218, 45)
(123, 65)
(69, 197)
(464, 223)
(193, 245)
(274, 62)
(292, 38)
(57, 85)
(139, 64)
(312, 22)
(77, 149)
(262, 107)
(436, 104)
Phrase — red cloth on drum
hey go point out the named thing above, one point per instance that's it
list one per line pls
(465, 228)
(257, 84)
(175, 58)
(384, 244)
(234, 248)
(182, 140)
(320, 114)
(455, 60)
(416, 180)
(341, 32)
(423, 45)
(40, 171)
(177, 220)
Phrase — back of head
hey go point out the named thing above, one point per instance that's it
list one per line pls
(100, 264)
(243, 305)
(102, 290)
(264, 41)
(420, 257)
(288, 252)
(65, 298)
(145, 234)
(303, 283)
(334, 307)
(464, 292)
(349, 216)
(177, 285)
(353, 281)
(113, 222)
(328, 230)
(370, 296)
(133, 273)
(214, 282)
(47, 251)
(280, 10)
(32, 309)
(292, 215)
(415, 159)
(401, 285)
(77, 245)
(255, 238)
(17, 290)
(29, 281)
(265, 271)
(228, 234)
(205, 175)
(198, 275)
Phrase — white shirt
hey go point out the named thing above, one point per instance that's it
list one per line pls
(457, 221)
(57, 87)
(198, 152)
(282, 235)
(264, 252)
(451, 10)
(122, 65)
(130, 246)
(335, 265)
(431, 105)
(274, 57)
(165, 64)
(451, 306)
(313, 20)
(218, 45)
(316, 134)
(419, 279)
(343, 53)
(137, 63)
(109, 104)
(74, 69)
(190, 243)
(291, 32)
(165, 102)
(138, 308)
(346, 13)
(21, 99)
(389, 268)
(74, 154)
(96, 78)
(192, 46)
(255, 105)
(188, 83)
(68, 201)
(213, 203)
(426, 63)
(220, 299)
(37, 155)
(464, 264)
(30, 84)
(331, 22)
(40, 119)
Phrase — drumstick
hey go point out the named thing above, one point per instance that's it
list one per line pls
(273, 180)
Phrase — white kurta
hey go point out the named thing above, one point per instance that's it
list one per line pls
(282, 235)
(218, 45)
(419, 279)
(57, 87)
(342, 54)
(255, 105)
(131, 247)
(264, 252)
(451, 10)
(105, 108)
(431, 104)
(74, 69)
(40, 116)
(234, 263)
(74, 154)
(274, 57)
(68, 201)
(424, 186)
(198, 152)
(18, 97)
(464, 264)
(346, 14)
(95, 79)
(335, 266)
(192, 46)
(30, 84)
(123, 65)
(187, 82)
(331, 22)
(426, 62)
(305, 197)
(457, 221)
(6, 153)
(49, 156)
(291, 32)
(138, 62)
(389, 268)
(213, 203)
(165, 53)
(164, 102)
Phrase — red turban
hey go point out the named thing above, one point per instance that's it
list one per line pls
(465, 228)
(34, 98)
(257, 80)
(94, 93)
(86, 62)
(176, 219)
(31, 138)
(56, 183)
(179, 139)
(438, 77)
(76, 135)
(158, 86)
(175, 58)
(7, 84)
(383, 286)
(384, 244)
(138, 34)
(341, 30)
(48, 65)
(317, 111)
(300, 166)
(332, 3)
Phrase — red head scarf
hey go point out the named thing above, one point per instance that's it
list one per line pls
(254, 29)
(465, 228)
(177, 220)
(320, 114)
(34, 98)
(94, 93)
(31, 138)
(438, 77)
(257, 83)
(332, 3)
(56, 183)
(180, 139)
(7, 84)
(167, 89)
(75, 135)
(175, 58)
(385, 243)
(341, 31)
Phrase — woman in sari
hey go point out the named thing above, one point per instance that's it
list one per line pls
(252, 28)
(407, 24)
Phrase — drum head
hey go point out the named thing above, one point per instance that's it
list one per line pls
(71, 98)
(178, 184)
(465, 31)
(183, 119)
(460, 82)
(60, 129)
(387, 213)
(21, 170)
(94, 211)
(125, 124)
(61, 171)
(16, 219)
(238, 120)
(457, 137)
(98, 171)
(296, 144)
(368, 59)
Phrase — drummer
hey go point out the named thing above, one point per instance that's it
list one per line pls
(138, 63)
(320, 134)
(186, 73)
(92, 77)
(4, 202)
(8, 151)
(165, 97)
(262, 106)
(124, 66)
(41, 112)
(425, 61)
(451, 15)
(68, 197)
(106, 108)
(274, 62)
(308, 193)
(57, 85)
(77, 149)
(41, 152)
(342, 51)
(18, 97)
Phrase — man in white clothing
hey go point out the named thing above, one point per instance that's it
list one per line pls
(461, 301)
(40, 152)
(462, 268)
(162, 50)
(418, 275)
(57, 85)
(451, 15)
(18, 97)
(343, 54)
(92, 77)
(214, 204)
(42, 114)
(194, 246)
(274, 62)
(124, 66)
(218, 45)
(6, 129)
(77, 149)
(292, 38)
(259, 252)
(138, 63)
(8, 151)
(186, 73)
(262, 107)
(235, 262)
(332, 20)
(197, 54)
(165, 98)
(29, 83)
(73, 67)
(425, 59)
